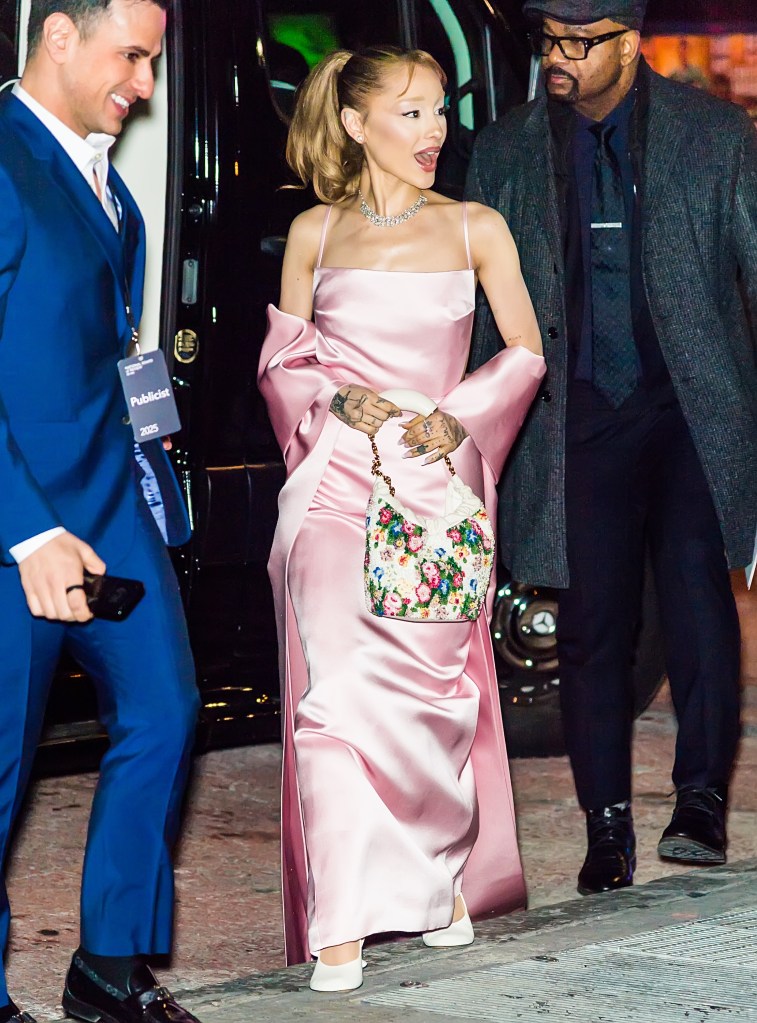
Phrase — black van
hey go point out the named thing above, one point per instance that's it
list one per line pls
(207, 168)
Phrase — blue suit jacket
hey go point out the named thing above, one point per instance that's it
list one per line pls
(66, 454)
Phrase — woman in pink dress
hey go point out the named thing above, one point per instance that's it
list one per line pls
(396, 791)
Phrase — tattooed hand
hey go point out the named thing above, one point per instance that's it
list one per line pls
(362, 409)
(435, 435)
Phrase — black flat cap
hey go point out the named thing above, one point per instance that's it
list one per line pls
(583, 12)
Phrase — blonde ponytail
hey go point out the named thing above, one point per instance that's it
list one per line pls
(319, 150)
(318, 147)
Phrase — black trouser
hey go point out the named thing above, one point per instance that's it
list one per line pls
(633, 477)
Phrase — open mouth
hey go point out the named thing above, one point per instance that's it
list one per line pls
(428, 158)
(121, 103)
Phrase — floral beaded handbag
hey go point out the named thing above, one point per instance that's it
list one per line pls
(426, 569)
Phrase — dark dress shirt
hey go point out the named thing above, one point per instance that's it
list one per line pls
(579, 168)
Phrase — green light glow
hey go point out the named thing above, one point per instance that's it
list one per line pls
(312, 35)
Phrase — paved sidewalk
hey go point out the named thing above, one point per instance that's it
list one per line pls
(677, 950)
(228, 925)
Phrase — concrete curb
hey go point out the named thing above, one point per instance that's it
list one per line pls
(284, 996)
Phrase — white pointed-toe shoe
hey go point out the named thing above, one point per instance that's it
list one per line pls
(346, 977)
(460, 932)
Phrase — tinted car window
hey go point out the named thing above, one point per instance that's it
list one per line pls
(302, 32)
(507, 68)
(8, 34)
(7, 58)
(448, 33)
(487, 70)
(441, 32)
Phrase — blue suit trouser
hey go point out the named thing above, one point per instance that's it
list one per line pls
(145, 682)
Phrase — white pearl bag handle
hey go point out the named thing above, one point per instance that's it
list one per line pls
(409, 400)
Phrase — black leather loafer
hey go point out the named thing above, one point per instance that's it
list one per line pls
(696, 833)
(611, 855)
(88, 997)
(11, 1013)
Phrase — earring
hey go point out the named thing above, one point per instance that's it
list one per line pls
(360, 139)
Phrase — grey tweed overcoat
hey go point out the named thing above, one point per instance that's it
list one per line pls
(699, 254)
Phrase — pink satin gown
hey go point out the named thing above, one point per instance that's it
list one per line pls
(396, 789)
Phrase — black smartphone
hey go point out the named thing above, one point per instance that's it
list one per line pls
(110, 597)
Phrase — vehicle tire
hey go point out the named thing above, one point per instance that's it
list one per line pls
(524, 634)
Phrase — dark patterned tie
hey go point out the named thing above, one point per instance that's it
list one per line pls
(615, 373)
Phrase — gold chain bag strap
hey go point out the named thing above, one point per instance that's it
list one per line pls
(424, 569)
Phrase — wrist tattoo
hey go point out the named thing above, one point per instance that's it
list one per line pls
(337, 404)
(348, 408)
(454, 432)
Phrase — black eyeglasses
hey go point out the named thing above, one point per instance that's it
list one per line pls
(571, 47)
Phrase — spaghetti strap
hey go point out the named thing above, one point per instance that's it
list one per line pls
(465, 231)
(323, 235)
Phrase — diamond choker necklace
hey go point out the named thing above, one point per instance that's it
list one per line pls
(378, 221)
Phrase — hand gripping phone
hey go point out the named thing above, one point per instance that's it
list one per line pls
(110, 597)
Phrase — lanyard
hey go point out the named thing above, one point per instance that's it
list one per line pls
(133, 346)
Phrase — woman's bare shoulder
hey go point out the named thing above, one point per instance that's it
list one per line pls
(486, 218)
(309, 224)
(490, 237)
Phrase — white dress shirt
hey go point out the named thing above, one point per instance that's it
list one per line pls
(90, 156)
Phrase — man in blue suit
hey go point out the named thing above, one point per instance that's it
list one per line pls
(71, 273)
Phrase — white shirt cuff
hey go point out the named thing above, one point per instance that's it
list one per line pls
(22, 550)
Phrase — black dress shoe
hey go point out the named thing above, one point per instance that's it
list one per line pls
(88, 997)
(696, 833)
(611, 856)
(11, 1013)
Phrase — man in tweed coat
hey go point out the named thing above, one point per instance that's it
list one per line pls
(633, 203)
